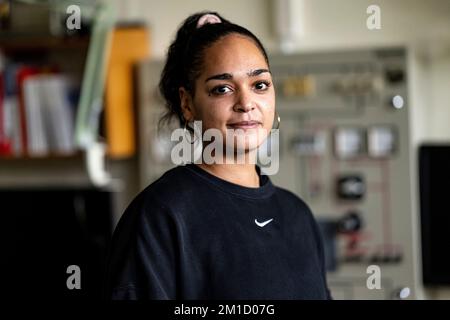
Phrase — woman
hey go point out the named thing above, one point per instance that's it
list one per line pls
(218, 230)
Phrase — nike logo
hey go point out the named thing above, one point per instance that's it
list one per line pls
(262, 224)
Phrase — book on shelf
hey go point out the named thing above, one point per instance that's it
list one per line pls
(54, 119)
(37, 111)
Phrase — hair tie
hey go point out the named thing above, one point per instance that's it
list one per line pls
(208, 18)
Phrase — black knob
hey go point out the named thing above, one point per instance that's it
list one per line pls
(351, 222)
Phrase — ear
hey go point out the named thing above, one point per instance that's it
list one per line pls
(187, 106)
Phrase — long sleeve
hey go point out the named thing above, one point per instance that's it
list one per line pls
(142, 262)
(320, 250)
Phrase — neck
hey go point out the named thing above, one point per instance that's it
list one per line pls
(241, 174)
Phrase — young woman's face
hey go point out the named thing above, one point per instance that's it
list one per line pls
(235, 91)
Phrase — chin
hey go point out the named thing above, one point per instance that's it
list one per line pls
(248, 142)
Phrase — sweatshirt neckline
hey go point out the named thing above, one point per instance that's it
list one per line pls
(265, 189)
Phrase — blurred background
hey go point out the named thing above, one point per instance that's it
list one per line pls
(363, 91)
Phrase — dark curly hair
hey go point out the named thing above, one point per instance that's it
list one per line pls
(185, 59)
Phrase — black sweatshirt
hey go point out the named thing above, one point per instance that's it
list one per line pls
(192, 235)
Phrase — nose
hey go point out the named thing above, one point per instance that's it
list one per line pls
(244, 102)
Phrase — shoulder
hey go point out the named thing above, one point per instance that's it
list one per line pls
(290, 199)
(297, 207)
(154, 201)
(172, 186)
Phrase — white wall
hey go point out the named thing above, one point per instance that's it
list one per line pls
(164, 17)
(423, 26)
(342, 23)
(327, 24)
(440, 96)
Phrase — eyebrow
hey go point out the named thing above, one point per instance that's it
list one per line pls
(228, 76)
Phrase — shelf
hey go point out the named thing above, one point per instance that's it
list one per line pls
(55, 156)
(13, 43)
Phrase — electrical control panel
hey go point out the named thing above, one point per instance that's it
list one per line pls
(344, 149)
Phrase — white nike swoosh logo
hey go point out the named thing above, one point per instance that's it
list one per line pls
(262, 224)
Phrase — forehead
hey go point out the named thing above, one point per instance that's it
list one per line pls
(233, 54)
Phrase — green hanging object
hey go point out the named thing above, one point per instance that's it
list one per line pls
(93, 85)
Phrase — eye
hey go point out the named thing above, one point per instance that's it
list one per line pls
(220, 90)
(262, 85)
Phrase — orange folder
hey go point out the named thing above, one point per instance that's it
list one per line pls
(129, 45)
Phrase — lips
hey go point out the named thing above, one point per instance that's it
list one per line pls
(244, 124)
